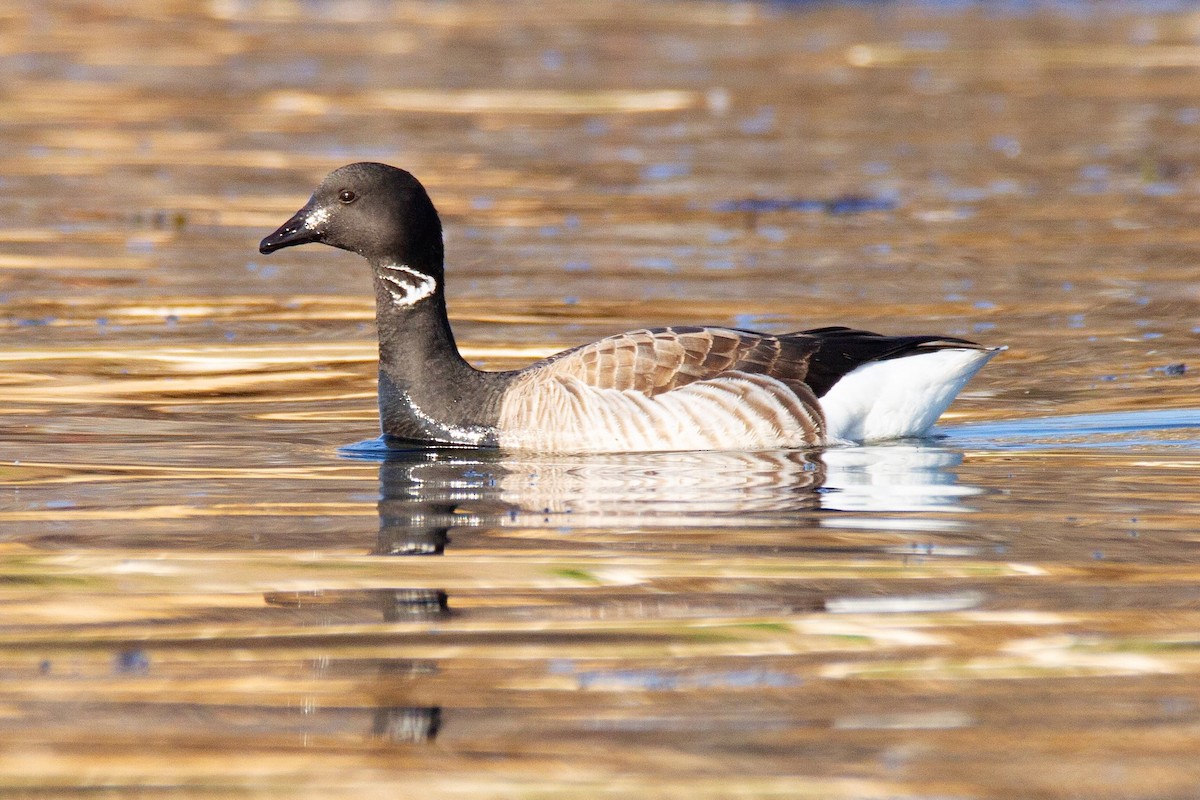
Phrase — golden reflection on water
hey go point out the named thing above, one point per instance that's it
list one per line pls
(201, 596)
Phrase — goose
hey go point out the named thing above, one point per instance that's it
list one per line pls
(658, 389)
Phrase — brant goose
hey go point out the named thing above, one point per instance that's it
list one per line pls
(676, 388)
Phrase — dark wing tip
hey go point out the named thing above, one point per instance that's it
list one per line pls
(841, 350)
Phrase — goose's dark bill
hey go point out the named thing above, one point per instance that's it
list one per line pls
(303, 228)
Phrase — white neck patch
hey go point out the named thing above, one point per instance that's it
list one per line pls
(407, 292)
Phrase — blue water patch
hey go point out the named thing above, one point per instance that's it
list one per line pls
(661, 680)
(367, 450)
(1187, 116)
(1007, 145)
(852, 204)
(846, 204)
(656, 263)
(1121, 429)
(131, 662)
(662, 172)
(762, 122)
(721, 236)
(1160, 189)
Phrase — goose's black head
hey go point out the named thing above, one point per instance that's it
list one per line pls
(380, 212)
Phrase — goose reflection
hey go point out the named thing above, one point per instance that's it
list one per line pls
(429, 496)
(426, 494)
(406, 724)
(388, 723)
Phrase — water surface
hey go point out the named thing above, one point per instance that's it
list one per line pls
(213, 583)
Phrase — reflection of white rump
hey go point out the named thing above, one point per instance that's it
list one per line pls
(892, 478)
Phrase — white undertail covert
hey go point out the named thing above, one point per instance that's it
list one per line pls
(899, 397)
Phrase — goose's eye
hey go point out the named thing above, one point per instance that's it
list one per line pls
(347, 196)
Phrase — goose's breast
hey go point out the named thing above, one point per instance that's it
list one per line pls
(734, 411)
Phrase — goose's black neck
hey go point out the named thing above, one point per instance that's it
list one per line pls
(427, 391)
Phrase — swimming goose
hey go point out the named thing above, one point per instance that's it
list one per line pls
(676, 388)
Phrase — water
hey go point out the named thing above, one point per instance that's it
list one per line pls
(214, 583)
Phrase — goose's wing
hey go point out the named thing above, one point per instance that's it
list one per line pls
(659, 360)
(666, 389)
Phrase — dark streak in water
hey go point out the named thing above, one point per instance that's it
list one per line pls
(847, 204)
